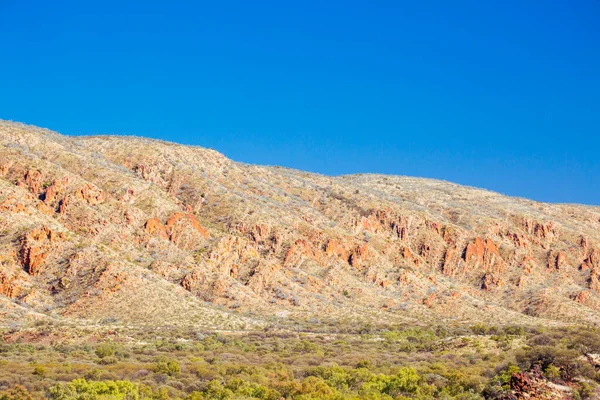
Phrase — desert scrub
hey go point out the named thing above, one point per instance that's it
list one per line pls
(167, 366)
(82, 389)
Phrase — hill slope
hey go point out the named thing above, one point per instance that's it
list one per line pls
(137, 231)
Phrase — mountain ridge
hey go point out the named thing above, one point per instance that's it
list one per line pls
(91, 223)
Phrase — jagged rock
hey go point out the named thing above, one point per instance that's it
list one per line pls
(484, 253)
(13, 205)
(90, 194)
(12, 281)
(490, 281)
(533, 385)
(592, 261)
(193, 281)
(55, 189)
(32, 180)
(561, 260)
(594, 280)
(35, 247)
(360, 255)
(336, 248)
(528, 264)
(299, 251)
(581, 297)
(44, 209)
(450, 260)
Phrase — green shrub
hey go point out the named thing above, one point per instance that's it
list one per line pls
(40, 371)
(80, 389)
(167, 366)
(106, 349)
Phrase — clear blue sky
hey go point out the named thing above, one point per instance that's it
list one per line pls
(503, 95)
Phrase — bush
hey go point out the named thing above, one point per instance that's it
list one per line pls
(106, 349)
(167, 366)
(40, 371)
(82, 389)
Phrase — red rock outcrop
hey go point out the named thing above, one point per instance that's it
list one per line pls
(54, 190)
(581, 297)
(528, 264)
(484, 253)
(181, 229)
(450, 260)
(63, 205)
(11, 281)
(90, 194)
(193, 281)
(44, 209)
(518, 239)
(32, 180)
(111, 279)
(533, 385)
(594, 280)
(155, 228)
(335, 248)
(35, 247)
(360, 255)
(592, 260)
(13, 205)
(546, 231)
(179, 221)
(150, 173)
(300, 250)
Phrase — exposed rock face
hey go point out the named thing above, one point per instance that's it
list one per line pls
(155, 228)
(12, 283)
(181, 229)
(13, 205)
(592, 261)
(119, 211)
(90, 194)
(561, 260)
(231, 253)
(35, 247)
(482, 252)
(32, 180)
(179, 222)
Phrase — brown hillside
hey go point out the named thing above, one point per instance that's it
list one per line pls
(136, 231)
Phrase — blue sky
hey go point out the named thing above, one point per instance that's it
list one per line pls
(503, 95)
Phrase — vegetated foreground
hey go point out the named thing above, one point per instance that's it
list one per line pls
(121, 257)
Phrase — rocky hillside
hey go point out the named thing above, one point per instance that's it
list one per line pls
(137, 231)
